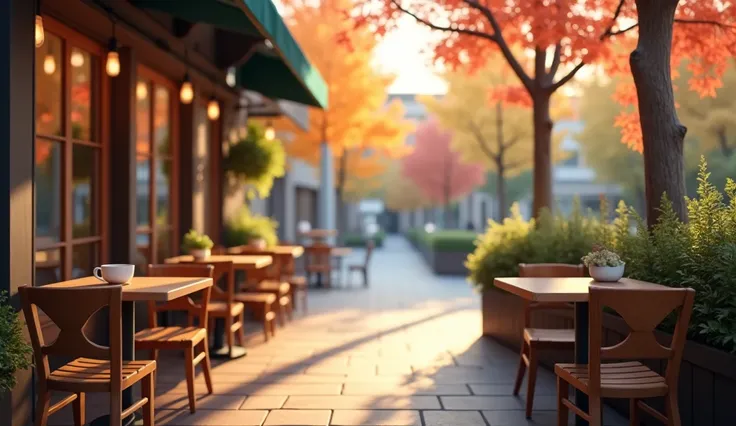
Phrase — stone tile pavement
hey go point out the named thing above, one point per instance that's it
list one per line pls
(407, 350)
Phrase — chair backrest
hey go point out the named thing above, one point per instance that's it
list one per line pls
(547, 270)
(369, 246)
(550, 270)
(642, 310)
(185, 303)
(224, 270)
(273, 271)
(70, 309)
(318, 254)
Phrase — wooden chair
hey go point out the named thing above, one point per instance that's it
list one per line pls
(538, 339)
(317, 259)
(269, 280)
(363, 269)
(642, 310)
(223, 304)
(94, 368)
(188, 338)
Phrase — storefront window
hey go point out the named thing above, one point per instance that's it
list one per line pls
(69, 150)
(155, 216)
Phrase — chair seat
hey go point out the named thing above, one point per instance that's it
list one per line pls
(357, 267)
(93, 375)
(618, 380)
(552, 336)
(219, 309)
(271, 286)
(169, 336)
(318, 268)
(266, 298)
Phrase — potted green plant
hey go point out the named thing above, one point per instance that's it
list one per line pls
(255, 161)
(15, 352)
(197, 244)
(604, 265)
(245, 228)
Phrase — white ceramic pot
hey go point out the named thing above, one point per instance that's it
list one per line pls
(607, 273)
(257, 243)
(200, 254)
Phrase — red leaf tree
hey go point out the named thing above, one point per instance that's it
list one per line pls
(437, 170)
(547, 42)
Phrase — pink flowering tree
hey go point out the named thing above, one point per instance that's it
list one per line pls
(437, 170)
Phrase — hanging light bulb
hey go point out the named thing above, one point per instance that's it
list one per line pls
(243, 132)
(40, 36)
(213, 109)
(270, 132)
(49, 64)
(230, 77)
(77, 59)
(141, 90)
(186, 94)
(112, 64)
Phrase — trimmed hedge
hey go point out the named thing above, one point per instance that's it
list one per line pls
(445, 240)
(354, 239)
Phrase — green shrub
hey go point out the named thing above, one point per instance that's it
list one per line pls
(449, 240)
(194, 240)
(700, 253)
(245, 226)
(256, 161)
(15, 352)
(356, 239)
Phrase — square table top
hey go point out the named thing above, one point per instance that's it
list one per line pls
(319, 233)
(247, 262)
(158, 289)
(293, 251)
(341, 251)
(564, 289)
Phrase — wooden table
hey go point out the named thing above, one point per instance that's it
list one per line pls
(245, 263)
(158, 289)
(319, 234)
(571, 290)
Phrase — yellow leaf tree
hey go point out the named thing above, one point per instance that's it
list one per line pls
(360, 129)
(486, 124)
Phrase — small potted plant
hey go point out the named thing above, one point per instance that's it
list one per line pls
(15, 352)
(604, 265)
(197, 244)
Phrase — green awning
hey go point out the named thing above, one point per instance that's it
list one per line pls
(280, 71)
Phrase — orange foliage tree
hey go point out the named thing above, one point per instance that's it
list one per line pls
(547, 42)
(359, 128)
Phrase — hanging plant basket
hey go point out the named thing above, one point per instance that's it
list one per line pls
(256, 161)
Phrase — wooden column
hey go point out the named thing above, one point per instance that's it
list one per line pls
(122, 160)
(214, 213)
(186, 166)
(17, 58)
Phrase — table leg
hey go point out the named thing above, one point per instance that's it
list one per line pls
(581, 354)
(128, 320)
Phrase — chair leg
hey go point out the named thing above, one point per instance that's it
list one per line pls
(42, 407)
(672, 409)
(633, 412)
(520, 371)
(273, 328)
(281, 313)
(148, 391)
(531, 381)
(206, 366)
(304, 300)
(365, 278)
(78, 408)
(230, 335)
(116, 407)
(266, 325)
(240, 336)
(562, 393)
(189, 366)
(595, 411)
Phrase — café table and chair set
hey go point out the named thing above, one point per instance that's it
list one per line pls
(182, 284)
(601, 370)
(322, 259)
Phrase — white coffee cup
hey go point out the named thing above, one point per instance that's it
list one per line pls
(114, 274)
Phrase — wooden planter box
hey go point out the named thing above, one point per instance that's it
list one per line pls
(444, 262)
(707, 376)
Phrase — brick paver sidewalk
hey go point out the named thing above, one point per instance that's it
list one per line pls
(406, 351)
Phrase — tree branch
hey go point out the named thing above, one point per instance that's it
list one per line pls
(511, 142)
(680, 21)
(561, 82)
(609, 31)
(449, 28)
(481, 141)
(556, 58)
(502, 44)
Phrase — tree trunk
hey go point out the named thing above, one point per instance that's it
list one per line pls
(663, 135)
(500, 183)
(726, 149)
(542, 152)
(446, 193)
(501, 194)
(340, 201)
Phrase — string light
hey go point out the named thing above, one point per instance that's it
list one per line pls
(77, 59)
(49, 64)
(112, 64)
(270, 132)
(40, 36)
(213, 109)
(141, 90)
(186, 94)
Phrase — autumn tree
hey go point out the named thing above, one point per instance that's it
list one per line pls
(400, 193)
(360, 130)
(437, 170)
(562, 37)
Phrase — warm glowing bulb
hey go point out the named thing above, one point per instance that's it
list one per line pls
(243, 132)
(112, 66)
(186, 94)
(270, 133)
(213, 109)
(233, 135)
(141, 90)
(40, 37)
(49, 64)
(77, 59)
